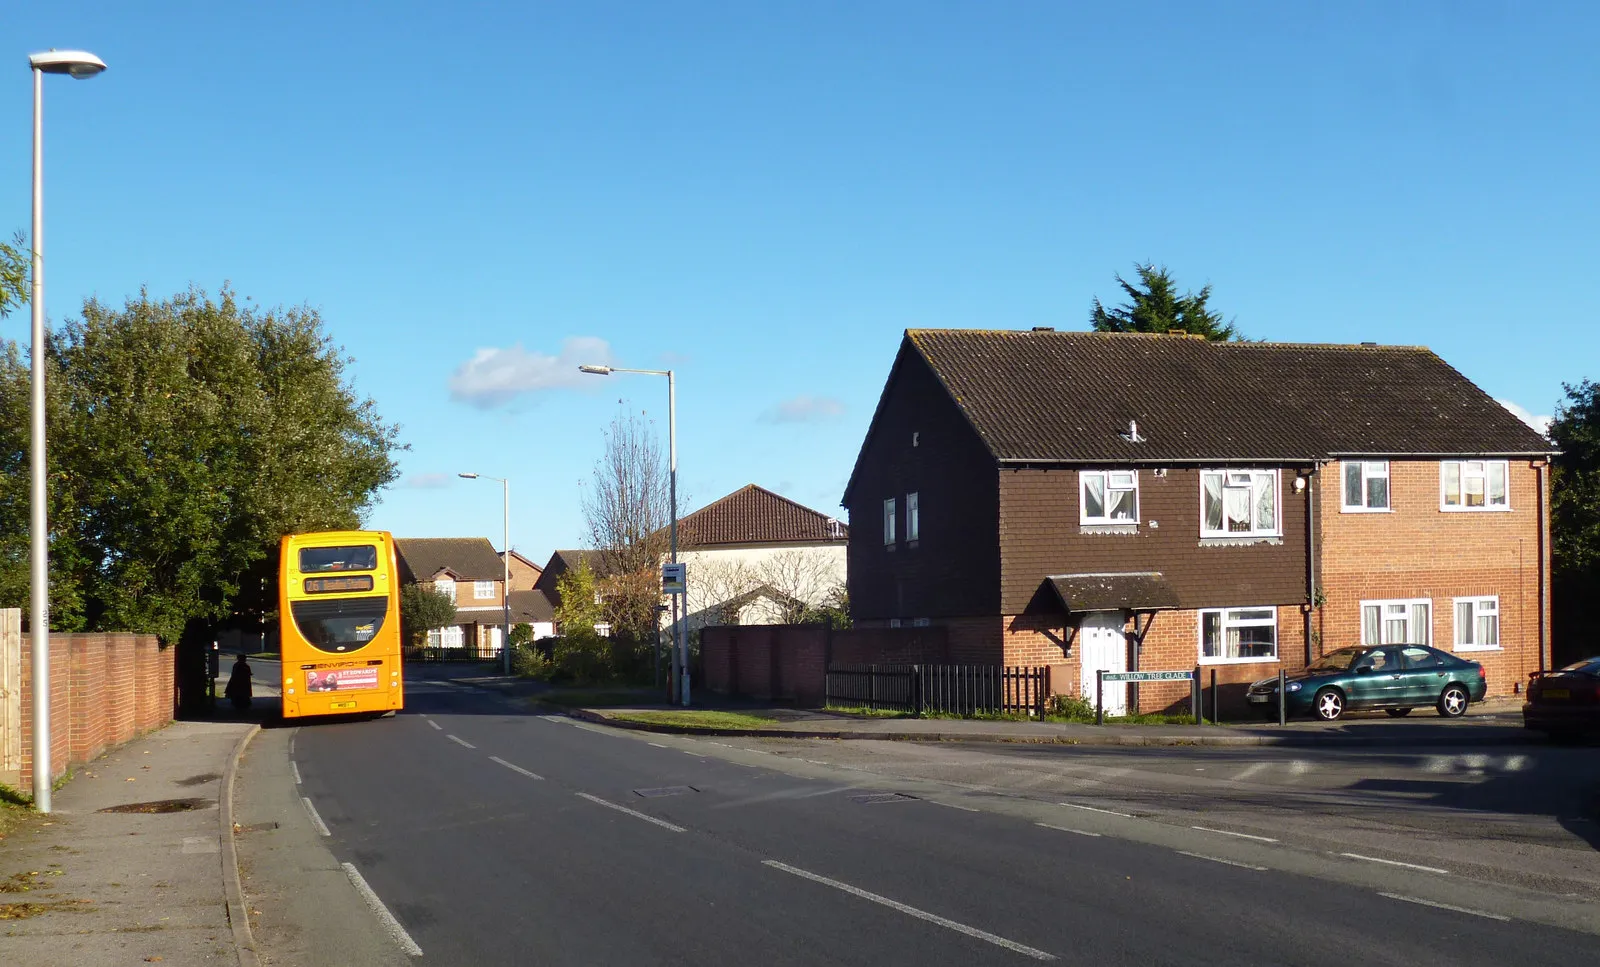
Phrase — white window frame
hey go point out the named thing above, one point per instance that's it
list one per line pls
(1231, 475)
(482, 589)
(449, 636)
(889, 512)
(446, 587)
(1483, 606)
(1384, 618)
(1465, 472)
(1105, 478)
(1228, 619)
(1369, 470)
(913, 518)
(603, 629)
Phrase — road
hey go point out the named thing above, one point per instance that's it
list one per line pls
(492, 835)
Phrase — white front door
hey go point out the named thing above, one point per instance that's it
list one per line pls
(1103, 646)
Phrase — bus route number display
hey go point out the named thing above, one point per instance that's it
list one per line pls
(337, 585)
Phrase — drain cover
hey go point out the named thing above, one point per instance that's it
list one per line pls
(877, 797)
(657, 793)
(159, 806)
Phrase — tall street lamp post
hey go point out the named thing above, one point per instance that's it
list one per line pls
(672, 486)
(505, 559)
(79, 64)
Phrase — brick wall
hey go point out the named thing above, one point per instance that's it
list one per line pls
(1418, 552)
(104, 690)
(790, 662)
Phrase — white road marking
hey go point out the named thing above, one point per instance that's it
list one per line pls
(380, 911)
(201, 844)
(1067, 829)
(965, 809)
(458, 740)
(1250, 770)
(1516, 763)
(1096, 809)
(435, 725)
(911, 911)
(1229, 832)
(658, 745)
(530, 775)
(293, 767)
(689, 752)
(632, 812)
(316, 820)
(1445, 906)
(1218, 859)
(1409, 866)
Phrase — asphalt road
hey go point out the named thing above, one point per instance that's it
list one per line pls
(495, 836)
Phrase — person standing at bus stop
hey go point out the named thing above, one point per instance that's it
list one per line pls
(239, 690)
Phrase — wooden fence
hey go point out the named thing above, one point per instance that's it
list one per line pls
(10, 692)
(947, 689)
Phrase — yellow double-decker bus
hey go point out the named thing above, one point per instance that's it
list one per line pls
(339, 620)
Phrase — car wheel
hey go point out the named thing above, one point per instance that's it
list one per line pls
(1329, 704)
(1399, 713)
(1453, 702)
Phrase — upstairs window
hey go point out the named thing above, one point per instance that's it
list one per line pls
(1396, 622)
(446, 587)
(1239, 503)
(1108, 497)
(483, 589)
(888, 521)
(1477, 623)
(1366, 485)
(913, 518)
(1473, 485)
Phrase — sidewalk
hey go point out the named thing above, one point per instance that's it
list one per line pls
(1494, 723)
(133, 865)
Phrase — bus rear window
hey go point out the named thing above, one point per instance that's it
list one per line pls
(339, 625)
(362, 557)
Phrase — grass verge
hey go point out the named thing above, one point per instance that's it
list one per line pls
(861, 711)
(696, 718)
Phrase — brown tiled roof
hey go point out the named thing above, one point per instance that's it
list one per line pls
(754, 515)
(528, 606)
(469, 558)
(1069, 397)
(1130, 591)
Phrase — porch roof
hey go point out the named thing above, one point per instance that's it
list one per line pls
(1117, 591)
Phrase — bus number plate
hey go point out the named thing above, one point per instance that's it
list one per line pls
(342, 705)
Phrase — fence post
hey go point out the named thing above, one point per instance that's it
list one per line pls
(1195, 708)
(1041, 677)
(1216, 700)
(872, 686)
(916, 690)
(1283, 704)
(1099, 696)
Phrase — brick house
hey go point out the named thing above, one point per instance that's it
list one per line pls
(468, 570)
(1128, 501)
(524, 572)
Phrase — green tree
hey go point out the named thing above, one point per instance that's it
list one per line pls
(423, 609)
(14, 274)
(577, 588)
(1575, 522)
(834, 611)
(1158, 308)
(187, 436)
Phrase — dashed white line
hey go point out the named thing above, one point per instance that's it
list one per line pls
(632, 812)
(1096, 809)
(658, 745)
(689, 752)
(1445, 906)
(1218, 859)
(1409, 866)
(458, 740)
(295, 768)
(1229, 832)
(515, 768)
(436, 725)
(1067, 829)
(911, 911)
(316, 820)
(380, 911)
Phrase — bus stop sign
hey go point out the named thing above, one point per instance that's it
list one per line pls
(673, 578)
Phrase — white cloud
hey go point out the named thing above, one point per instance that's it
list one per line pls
(493, 377)
(804, 409)
(1540, 423)
(426, 481)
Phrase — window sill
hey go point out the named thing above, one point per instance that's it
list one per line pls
(1475, 510)
(1461, 648)
(1238, 661)
(1240, 541)
(1366, 510)
(911, 545)
(1104, 528)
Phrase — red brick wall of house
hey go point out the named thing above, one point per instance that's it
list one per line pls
(790, 662)
(104, 690)
(1418, 551)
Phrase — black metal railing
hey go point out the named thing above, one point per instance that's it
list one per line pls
(945, 689)
(470, 653)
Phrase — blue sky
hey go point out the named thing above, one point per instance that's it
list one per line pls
(764, 195)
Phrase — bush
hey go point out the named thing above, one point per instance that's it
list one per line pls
(1073, 708)
(582, 658)
(529, 662)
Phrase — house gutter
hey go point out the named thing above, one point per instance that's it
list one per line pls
(1450, 453)
(1544, 561)
(1311, 553)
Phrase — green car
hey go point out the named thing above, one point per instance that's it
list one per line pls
(1395, 678)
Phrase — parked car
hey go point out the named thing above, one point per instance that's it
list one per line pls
(1395, 678)
(1565, 702)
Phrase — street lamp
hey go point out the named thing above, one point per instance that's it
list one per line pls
(79, 64)
(672, 486)
(505, 558)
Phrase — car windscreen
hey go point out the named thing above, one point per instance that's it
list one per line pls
(361, 557)
(1589, 666)
(1335, 661)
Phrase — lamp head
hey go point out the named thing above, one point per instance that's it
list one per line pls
(595, 370)
(467, 476)
(76, 63)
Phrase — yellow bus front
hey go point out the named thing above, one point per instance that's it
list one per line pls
(339, 608)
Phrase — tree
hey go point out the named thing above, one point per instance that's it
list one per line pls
(1575, 519)
(628, 510)
(834, 611)
(579, 609)
(186, 437)
(800, 580)
(1158, 308)
(14, 274)
(423, 609)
